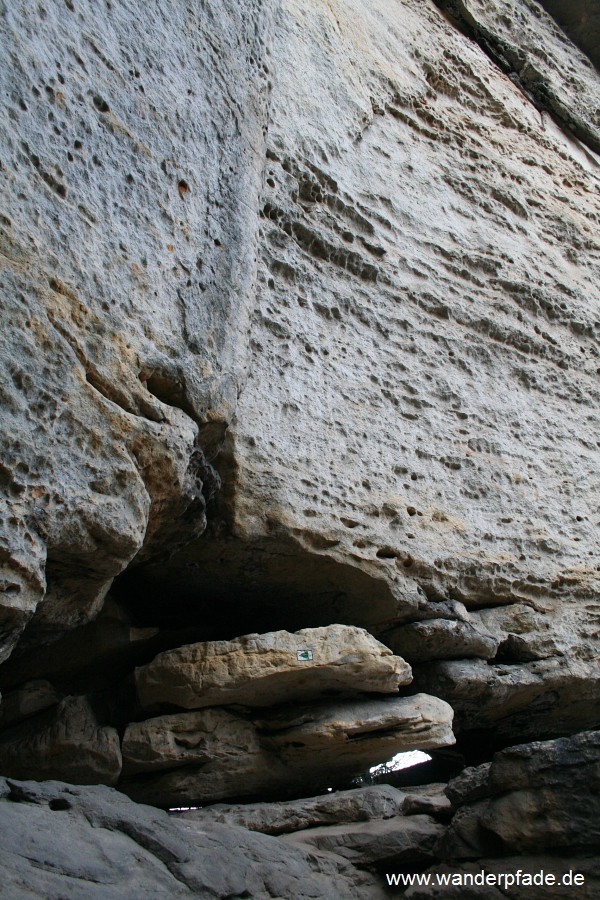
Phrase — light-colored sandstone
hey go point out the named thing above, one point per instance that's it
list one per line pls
(132, 148)
(422, 407)
(539, 58)
(337, 735)
(266, 669)
(418, 351)
(213, 754)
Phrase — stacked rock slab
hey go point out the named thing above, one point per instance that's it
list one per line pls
(534, 809)
(274, 744)
(214, 754)
(263, 670)
(372, 826)
(379, 801)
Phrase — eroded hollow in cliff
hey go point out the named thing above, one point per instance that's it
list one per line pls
(225, 584)
(225, 588)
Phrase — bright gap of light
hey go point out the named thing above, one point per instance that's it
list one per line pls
(401, 761)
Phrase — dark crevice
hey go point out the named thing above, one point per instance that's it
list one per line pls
(521, 72)
(580, 20)
(225, 588)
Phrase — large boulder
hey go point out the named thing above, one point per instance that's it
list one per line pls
(64, 742)
(526, 826)
(215, 754)
(536, 797)
(63, 842)
(266, 669)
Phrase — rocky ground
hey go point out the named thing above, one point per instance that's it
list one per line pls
(533, 808)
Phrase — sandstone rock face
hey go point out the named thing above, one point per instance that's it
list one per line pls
(385, 844)
(581, 21)
(531, 700)
(63, 843)
(213, 754)
(541, 61)
(336, 730)
(334, 268)
(130, 177)
(540, 796)
(360, 805)
(428, 258)
(65, 742)
(265, 669)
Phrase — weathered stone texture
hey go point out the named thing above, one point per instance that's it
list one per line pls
(517, 701)
(32, 698)
(534, 808)
(543, 796)
(360, 805)
(379, 801)
(132, 149)
(64, 843)
(265, 669)
(442, 639)
(422, 405)
(342, 259)
(214, 754)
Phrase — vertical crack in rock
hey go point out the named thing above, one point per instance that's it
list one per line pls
(131, 187)
(534, 55)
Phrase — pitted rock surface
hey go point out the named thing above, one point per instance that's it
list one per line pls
(214, 754)
(429, 260)
(129, 184)
(299, 331)
(266, 669)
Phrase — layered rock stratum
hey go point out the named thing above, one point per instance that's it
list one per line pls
(299, 443)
